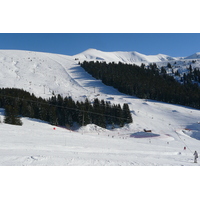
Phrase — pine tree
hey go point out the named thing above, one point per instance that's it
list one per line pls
(98, 116)
(163, 70)
(169, 65)
(126, 114)
(11, 116)
(52, 118)
(119, 115)
(87, 109)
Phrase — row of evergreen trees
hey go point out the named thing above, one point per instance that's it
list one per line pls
(145, 82)
(192, 76)
(61, 111)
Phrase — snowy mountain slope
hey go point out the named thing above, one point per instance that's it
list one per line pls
(38, 73)
(179, 64)
(119, 56)
(45, 73)
(194, 56)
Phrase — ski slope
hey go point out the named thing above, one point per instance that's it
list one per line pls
(37, 143)
(173, 127)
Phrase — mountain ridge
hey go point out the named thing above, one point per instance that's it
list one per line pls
(128, 56)
(121, 56)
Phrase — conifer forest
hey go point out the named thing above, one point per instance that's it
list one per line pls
(61, 111)
(149, 82)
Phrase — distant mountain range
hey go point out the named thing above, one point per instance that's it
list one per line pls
(129, 57)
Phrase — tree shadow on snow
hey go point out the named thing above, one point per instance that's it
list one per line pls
(193, 130)
(144, 135)
(91, 82)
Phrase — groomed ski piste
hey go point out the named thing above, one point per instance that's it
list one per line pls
(161, 134)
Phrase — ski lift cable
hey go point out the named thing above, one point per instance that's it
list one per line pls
(113, 104)
(64, 107)
(183, 142)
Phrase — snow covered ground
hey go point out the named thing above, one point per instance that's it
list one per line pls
(173, 127)
(38, 143)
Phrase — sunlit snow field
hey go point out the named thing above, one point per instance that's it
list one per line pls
(175, 129)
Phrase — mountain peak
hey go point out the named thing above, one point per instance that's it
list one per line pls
(194, 56)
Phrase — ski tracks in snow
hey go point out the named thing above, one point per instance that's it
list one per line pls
(66, 66)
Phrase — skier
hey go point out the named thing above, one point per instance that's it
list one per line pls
(195, 156)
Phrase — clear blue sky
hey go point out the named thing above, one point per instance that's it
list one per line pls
(173, 44)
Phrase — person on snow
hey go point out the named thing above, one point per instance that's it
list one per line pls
(195, 156)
